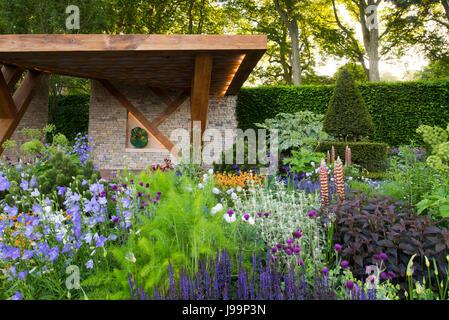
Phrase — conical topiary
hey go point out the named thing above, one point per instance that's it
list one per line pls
(347, 116)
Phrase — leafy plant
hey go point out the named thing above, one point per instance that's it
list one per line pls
(436, 140)
(367, 227)
(300, 130)
(302, 160)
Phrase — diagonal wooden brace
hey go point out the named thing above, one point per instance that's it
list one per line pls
(19, 102)
(139, 116)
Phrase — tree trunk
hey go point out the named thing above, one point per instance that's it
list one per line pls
(373, 55)
(370, 39)
(293, 31)
(296, 55)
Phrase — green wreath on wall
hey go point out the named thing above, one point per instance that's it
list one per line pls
(139, 137)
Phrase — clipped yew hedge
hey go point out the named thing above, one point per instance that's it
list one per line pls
(397, 108)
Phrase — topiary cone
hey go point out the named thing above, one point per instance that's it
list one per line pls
(347, 115)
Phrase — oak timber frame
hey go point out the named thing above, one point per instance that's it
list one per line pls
(221, 64)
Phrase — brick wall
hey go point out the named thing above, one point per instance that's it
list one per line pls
(108, 124)
(35, 117)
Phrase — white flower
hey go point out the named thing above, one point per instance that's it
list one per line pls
(229, 218)
(211, 171)
(130, 257)
(216, 209)
(215, 191)
(239, 189)
(205, 176)
(47, 209)
(233, 196)
(230, 190)
(200, 186)
(312, 164)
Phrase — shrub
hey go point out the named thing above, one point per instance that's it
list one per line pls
(436, 141)
(347, 116)
(366, 227)
(366, 154)
(298, 130)
(396, 108)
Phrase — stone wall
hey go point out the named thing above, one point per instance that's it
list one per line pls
(110, 134)
(35, 117)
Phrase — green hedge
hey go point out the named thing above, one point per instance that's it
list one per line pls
(70, 114)
(366, 154)
(397, 108)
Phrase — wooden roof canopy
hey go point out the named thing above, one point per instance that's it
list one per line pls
(164, 61)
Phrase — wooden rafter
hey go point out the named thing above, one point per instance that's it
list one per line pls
(249, 62)
(19, 101)
(138, 115)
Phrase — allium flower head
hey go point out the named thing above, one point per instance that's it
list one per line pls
(337, 247)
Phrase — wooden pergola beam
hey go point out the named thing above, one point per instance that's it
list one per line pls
(247, 65)
(199, 96)
(138, 115)
(21, 100)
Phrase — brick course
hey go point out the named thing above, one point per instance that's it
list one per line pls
(108, 124)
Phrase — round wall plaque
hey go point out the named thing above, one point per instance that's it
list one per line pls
(139, 137)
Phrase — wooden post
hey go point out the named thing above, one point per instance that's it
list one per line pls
(199, 96)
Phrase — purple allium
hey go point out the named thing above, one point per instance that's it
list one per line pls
(230, 212)
(114, 187)
(274, 250)
(376, 257)
(246, 216)
(312, 213)
(288, 252)
(296, 249)
(279, 246)
(259, 213)
(337, 247)
(349, 285)
(141, 183)
(344, 264)
(391, 274)
(301, 263)
(325, 270)
(266, 214)
(383, 256)
(383, 276)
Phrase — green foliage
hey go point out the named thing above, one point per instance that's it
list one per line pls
(71, 115)
(347, 116)
(298, 130)
(302, 159)
(409, 178)
(61, 170)
(370, 155)
(181, 230)
(33, 147)
(436, 140)
(437, 204)
(355, 69)
(397, 109)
